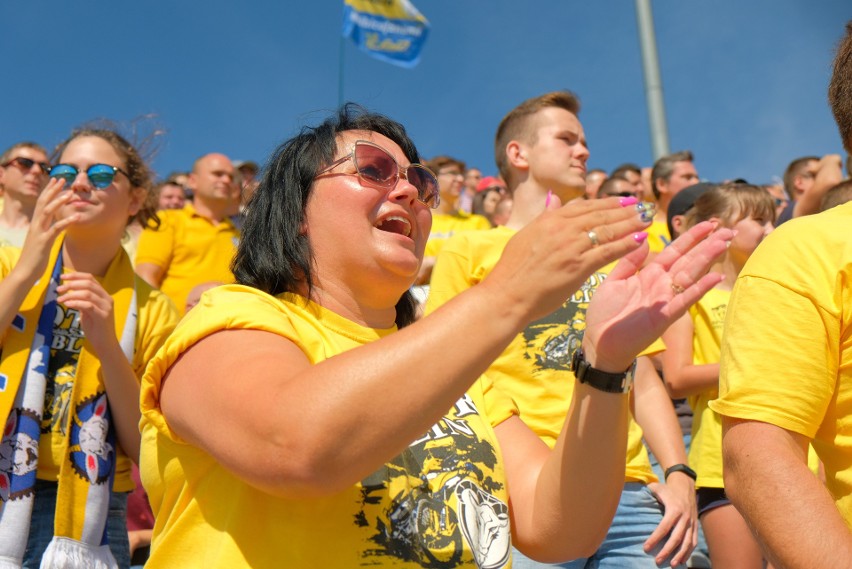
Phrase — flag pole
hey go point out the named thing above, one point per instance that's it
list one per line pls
(653, 83)
(340, 71)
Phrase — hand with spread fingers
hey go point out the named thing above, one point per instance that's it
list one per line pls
(633, 307)
(564, 246)
(45, 227)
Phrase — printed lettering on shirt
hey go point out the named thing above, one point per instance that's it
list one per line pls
(64, 351)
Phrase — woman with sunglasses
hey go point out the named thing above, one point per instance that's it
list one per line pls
(301, 418)
(77, 329)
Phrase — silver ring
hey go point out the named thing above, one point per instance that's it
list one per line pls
(593, 237)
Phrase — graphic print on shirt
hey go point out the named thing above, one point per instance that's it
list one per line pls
(64, 353)
(552, 340)
(441, 492)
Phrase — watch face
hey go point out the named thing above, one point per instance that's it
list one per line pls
(576, 359)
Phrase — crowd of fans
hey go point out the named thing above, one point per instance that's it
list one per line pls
(639, 371)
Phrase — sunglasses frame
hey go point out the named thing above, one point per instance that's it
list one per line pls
(400, 173)
(20, 161)
(68, 182)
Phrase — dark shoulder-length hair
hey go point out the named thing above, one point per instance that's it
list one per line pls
(274, 254)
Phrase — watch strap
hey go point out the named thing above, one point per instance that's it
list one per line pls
(681, 468)
(601, 380)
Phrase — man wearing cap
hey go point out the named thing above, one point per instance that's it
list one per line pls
(670, 175)
(195, 244)
(23, 175)
(491, 183)
(248, 178)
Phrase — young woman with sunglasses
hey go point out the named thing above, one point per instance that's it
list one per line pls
(301, 418)
(77, 327)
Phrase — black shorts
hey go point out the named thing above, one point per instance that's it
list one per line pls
(709, 498)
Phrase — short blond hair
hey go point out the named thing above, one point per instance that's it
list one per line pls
(518, 125)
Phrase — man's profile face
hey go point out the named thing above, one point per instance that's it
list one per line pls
(805, 179)
(683, 176)
(557, 157)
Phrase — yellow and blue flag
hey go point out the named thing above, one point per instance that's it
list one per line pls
(391, 30)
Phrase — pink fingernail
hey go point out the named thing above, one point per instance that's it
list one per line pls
(547, 201)
(640, 237)
(628, 201)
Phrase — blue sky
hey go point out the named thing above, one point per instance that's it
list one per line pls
(744, 80)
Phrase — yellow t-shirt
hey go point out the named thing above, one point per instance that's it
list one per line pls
(534, 370)
(658, 236)
(442, 502)
(157, 318)
(705, 453)
(445, 225)
(191, 249)
(787, 349)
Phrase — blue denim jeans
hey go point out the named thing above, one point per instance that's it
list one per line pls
(701, 555)
(41, 525)
(637, 516)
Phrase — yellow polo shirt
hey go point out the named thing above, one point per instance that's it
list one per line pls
(191, 249)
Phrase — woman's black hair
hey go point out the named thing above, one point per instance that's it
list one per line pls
(274, 254)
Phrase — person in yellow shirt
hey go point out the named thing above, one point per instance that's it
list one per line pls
(23, 175)
(196, 244)
(786, 377)
(545, 158)
(288, 420)
(691, 365)
(450, 217)
(77, 327)
(670, 175)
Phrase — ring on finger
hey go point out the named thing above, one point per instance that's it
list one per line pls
(593, 237)
(677, 288)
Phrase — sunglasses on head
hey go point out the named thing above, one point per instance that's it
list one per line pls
(376, 166)
(27, 164)
(100, 175)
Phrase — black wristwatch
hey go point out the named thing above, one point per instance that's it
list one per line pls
(604, 381)
(681, 468)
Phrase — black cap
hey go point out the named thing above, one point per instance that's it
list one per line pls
(685, 199)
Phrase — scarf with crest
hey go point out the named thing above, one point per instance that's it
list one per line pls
(88, 467)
